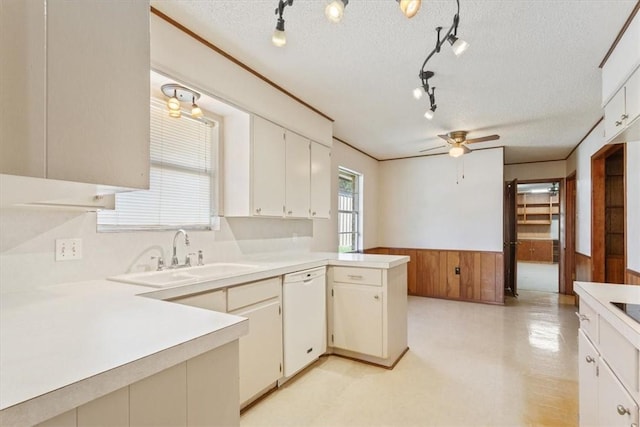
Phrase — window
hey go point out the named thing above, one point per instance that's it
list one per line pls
(182, 178)
(349, 215)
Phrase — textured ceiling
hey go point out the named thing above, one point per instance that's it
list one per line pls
(530, 75)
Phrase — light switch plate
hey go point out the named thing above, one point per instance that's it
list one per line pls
(68, 249)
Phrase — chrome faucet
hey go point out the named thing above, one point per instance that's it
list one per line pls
(174, 259)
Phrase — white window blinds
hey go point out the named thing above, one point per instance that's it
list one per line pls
(181, 176)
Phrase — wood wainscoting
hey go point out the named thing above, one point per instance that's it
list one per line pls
(633, 277)
(432, 273)
(583, 267)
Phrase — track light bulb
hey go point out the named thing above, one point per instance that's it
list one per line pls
(457, 45)
(417, 92)
(176, 114)
(173, 103)
(196, 112)
(429, 114)
(335, 10)
(279, 37)
(456, 151)
(410, 7)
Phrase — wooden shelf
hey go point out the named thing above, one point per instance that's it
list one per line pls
(536, 208)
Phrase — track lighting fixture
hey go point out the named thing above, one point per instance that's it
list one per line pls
(178, 94)
(429, 114)
(335, 10)
(458, 47)
(410, 7)
(279, 38)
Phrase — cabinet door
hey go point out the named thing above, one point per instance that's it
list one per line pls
(161, 399)
(22, 115)
(298, 176)
(615, 406)
(261, 349)
(588, 381)
(98, 92)
(320, 181)
(542, 250)
(524, 250)
(268, 167)
(613, 111)
(357, 318)
(633, 96)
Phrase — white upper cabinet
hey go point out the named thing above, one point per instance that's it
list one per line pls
(298, 176)
(320, 181)
(622, 113)
(622, 61)
(268, 164)
(76, 75)
(274, 172)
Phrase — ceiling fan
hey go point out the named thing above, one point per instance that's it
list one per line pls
(458, 141)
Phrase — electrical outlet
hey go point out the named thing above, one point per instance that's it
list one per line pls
(68, 249)
(457, 270)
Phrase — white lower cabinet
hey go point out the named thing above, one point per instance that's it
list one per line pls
(203, 391)
(357, 318)
(615, 406)
(261, 348)
(367, 313)
(588, 359)
(214, 300)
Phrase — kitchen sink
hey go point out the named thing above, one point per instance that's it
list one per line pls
(184, 276)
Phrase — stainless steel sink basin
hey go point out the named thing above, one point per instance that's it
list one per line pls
(184, 276)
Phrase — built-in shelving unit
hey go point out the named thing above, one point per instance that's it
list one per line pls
(537, 208)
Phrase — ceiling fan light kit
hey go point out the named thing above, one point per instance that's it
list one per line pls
(458, 141)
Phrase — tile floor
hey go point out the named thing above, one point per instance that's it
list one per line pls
(536, 276)
(468, 364)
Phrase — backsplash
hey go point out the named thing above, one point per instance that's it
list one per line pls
(28, 242)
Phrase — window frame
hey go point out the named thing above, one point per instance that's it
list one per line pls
(356, 210)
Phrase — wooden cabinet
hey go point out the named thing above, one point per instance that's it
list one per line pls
(367, 313)
(320, 181)
(535, 250)
(201, 391)
(78, 116)
(276, 173)
(536, 208)
(261, 349)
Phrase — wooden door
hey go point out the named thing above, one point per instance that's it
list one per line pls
(510, 245)
(570, 235)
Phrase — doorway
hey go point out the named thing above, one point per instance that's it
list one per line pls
(608, 248)
(538, 219)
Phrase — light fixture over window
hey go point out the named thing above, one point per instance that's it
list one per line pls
(335, 10)
(410, 7)
(178, 94)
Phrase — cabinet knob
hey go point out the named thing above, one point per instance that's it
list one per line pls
(622, 410)
(377, 297)
(590, 359)
(289, 212)
(313, 213)
(258, 210)
(624, 117)
(582, 317)
(618, 123)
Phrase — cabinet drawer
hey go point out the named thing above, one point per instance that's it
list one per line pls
(365, 276)
(589, 321)
(620, 354)
(216, 300)
(244, 295)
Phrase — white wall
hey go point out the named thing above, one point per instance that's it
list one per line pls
(537, 170)
(325, 232)
(580, 161)
(424, 202)
(633, 205)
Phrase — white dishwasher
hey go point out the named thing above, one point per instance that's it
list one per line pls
(304, 318)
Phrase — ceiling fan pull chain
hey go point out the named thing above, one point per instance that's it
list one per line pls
(463, 167)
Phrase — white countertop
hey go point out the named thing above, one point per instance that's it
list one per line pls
(64, 345)
(600, 295)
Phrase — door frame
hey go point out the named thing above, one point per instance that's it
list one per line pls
(561, 224)
(569, 248)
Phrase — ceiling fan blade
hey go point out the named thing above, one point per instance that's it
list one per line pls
(483, 139)
(432, 148)
(448, 139)
(465, 149)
